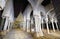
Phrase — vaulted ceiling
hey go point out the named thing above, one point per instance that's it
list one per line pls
(20, 5)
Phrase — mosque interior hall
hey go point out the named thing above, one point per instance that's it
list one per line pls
(29, 19)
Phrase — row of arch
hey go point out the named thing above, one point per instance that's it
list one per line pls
(39, 15)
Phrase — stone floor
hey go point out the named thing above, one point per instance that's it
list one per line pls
(17, 34)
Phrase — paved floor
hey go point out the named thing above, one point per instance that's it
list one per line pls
(17, 34)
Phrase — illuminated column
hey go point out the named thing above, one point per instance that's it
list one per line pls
(52, 21)
(47, 23)
(56, 24)
(32, 25)
(26, 14)
(52, 24)
(24, 24)
(39, 26)
(8, 25)
(28, 25)
(8, 13)
(36, 14)
(48, 13)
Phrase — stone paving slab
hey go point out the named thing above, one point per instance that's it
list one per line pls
(17, 34)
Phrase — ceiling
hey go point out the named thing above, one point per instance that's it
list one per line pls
(20, 5)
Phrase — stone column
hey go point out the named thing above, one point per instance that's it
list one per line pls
(47, 24)
(36, 14)
(37, 28)
(26, 14)
(38, 23)
(9, 24)
(32, 25)
(8, 13)
(28, 24)
(24, 24)
(53, 24)
(56, 24)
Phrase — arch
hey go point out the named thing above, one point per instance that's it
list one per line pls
(26, 15)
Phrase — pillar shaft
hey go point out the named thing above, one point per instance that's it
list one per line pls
(56, 25)
(8, 13)
(47, 24)
(24, 24)
(53, 25)
(28, 25)
(26, 14)
(38, 23)
(36, 15)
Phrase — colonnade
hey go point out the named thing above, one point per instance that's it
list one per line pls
(38, 9)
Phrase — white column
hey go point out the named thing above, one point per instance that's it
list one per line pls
(9, 25)
(38, 23)
(26, 14)
(47, 24)
(36, 26)
(8, 12)
(36, 13)
(53, 24)
(56, 24)
(28, 24)
(32, 24)
(24, 24)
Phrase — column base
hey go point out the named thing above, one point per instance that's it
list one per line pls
(38, 34)
(28, 30)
